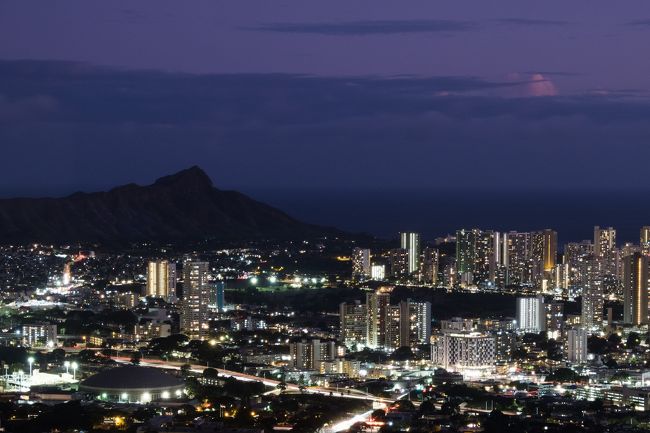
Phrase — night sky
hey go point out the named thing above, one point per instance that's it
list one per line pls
(312, 94)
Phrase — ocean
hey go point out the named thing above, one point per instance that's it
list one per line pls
(384, 213)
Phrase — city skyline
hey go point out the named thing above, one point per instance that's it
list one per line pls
(324, 217)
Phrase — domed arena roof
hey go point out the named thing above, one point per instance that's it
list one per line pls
(131, 377)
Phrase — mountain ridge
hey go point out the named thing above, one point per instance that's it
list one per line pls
(184, 206)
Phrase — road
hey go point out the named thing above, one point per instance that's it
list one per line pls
(197, 368)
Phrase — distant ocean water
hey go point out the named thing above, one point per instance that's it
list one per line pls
(384, 213)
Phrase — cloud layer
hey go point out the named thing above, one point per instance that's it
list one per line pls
(71, 123)
(361, 28)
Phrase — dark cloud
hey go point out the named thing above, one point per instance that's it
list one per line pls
(362, 28)
(70, 123)
(531, 22)
(639, 23)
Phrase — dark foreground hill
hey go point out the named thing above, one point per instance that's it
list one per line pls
(182, 207)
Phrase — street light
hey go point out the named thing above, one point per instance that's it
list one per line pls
(30, 360)
(66, 364)
(74, 366)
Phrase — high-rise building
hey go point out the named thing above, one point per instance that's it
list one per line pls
(361, 267)
(554, 319)
(635, 289)
(530, 314)
(398, 261)
(577, 345)
(429, 268)
(464, 350)
(196, 299)
(576, 254)
(604, 241)
(378, 272)
(544, 257)
(377, 304)
(561, 278)
(605, 249)
(517, 258)
(592, 303)
(644, 240)
(161, 280)
(485, 259)
(392, 328)
(308, 354)
(354, 323)
(475, 257)
(410, 242)
(39, 334)
(218, 295)
(415, 322)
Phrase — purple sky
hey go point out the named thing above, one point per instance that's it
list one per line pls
(516, 87)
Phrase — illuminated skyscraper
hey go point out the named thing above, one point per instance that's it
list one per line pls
(161, 280)
(644, 240)
(635, 289)
(429, 267)
(577, 345)
(196, 299)
(354, 323)
(605, 249)
(415, 322)
(544, 257)
(576, 255)
(377, 304)
(592, 304)
(361, 269)
(517, 258)
(398, 261)
(604, 241)
(378, 272)
(475, 257)
(410, 242)
(531, 314)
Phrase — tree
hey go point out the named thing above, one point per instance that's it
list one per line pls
(185, 369)
(211, 373)
(563, 375)
(58, 355)
(450, 407)
(597, 345)
(427, 408)
(614, 340)
(496, 422)
(633, 340)
(402, 354)
(619, 376)
(403, 405)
